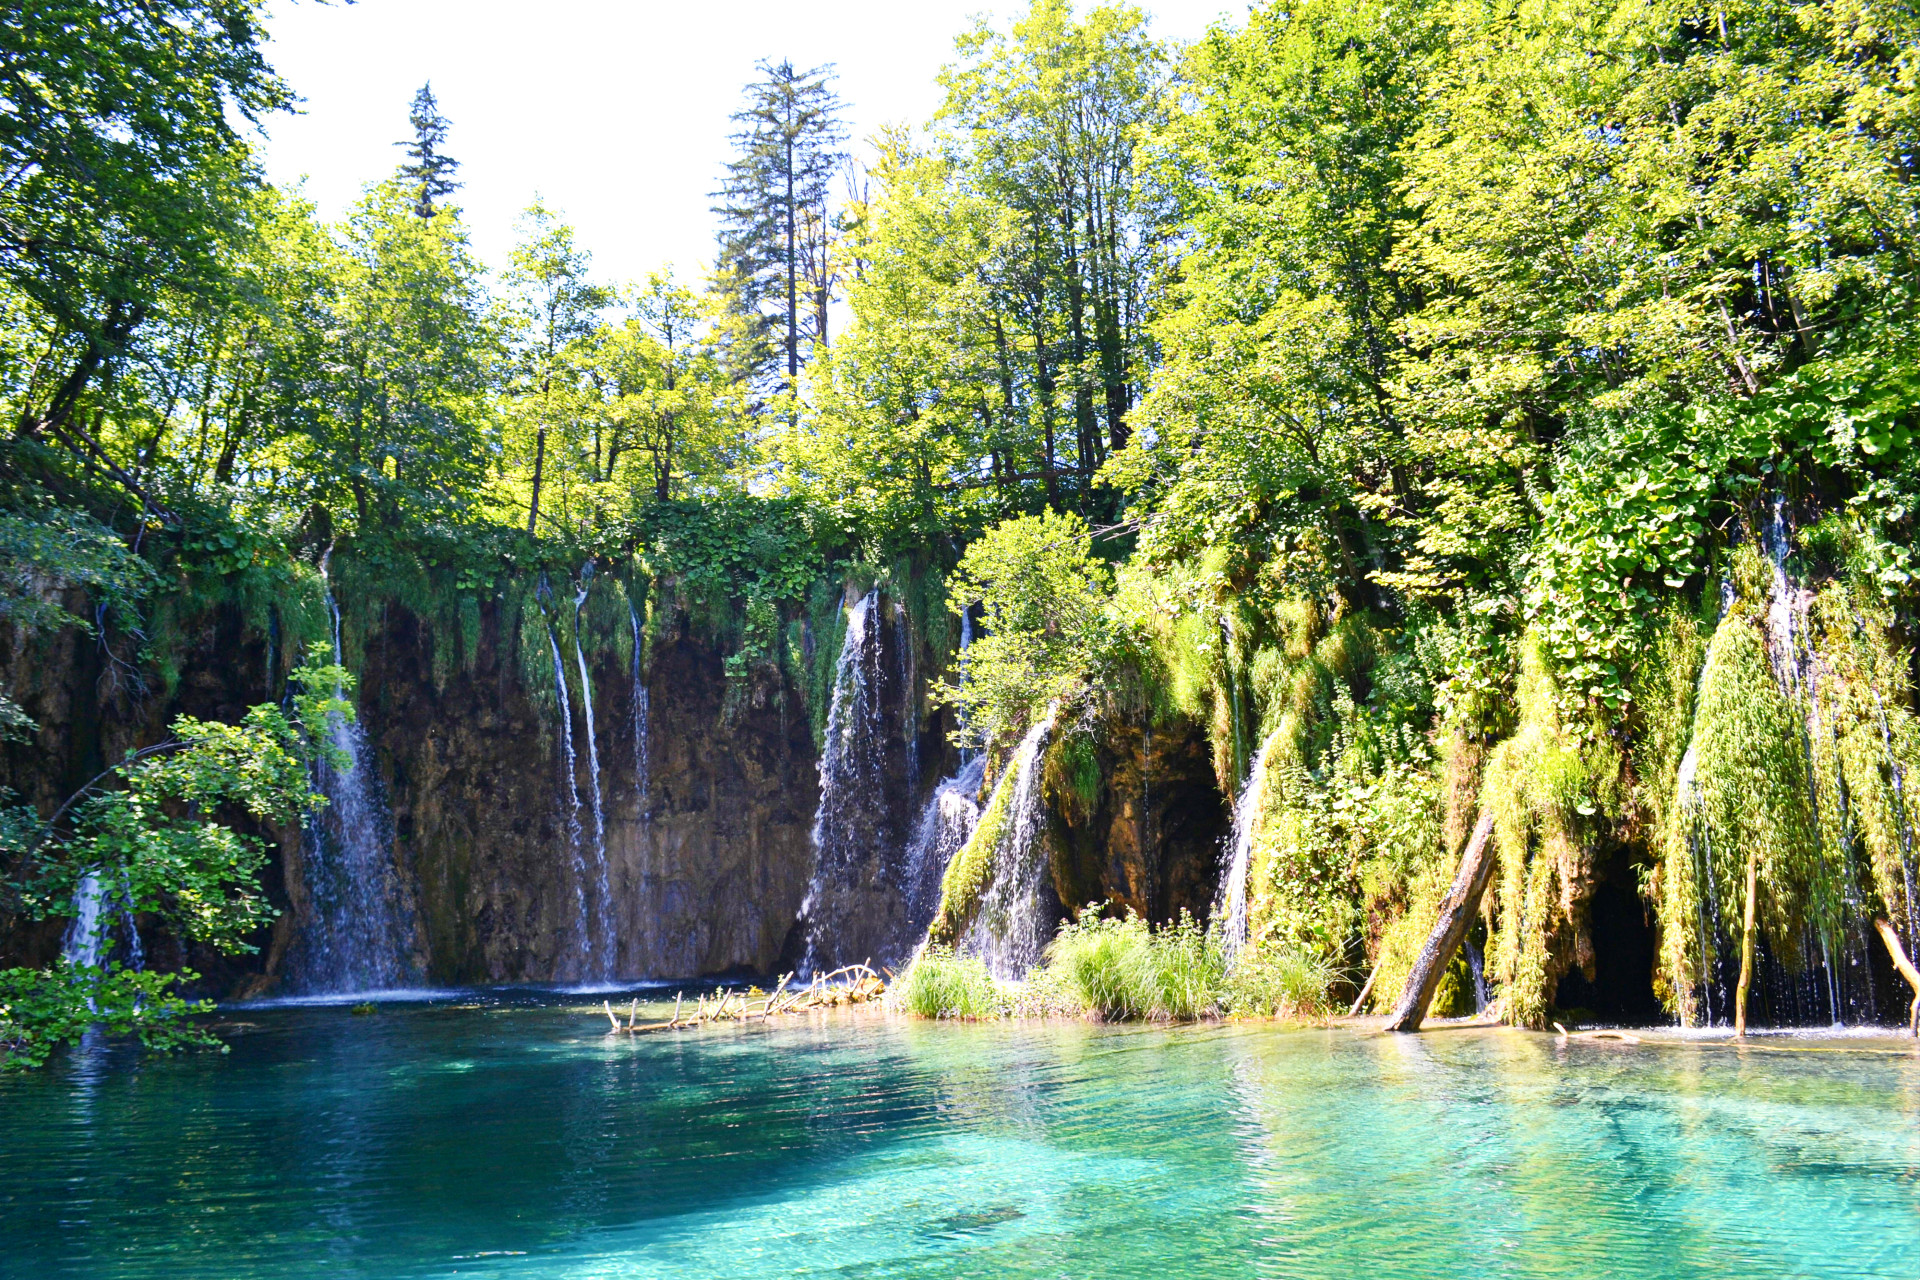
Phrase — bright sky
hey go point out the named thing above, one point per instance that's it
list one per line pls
(616, 113)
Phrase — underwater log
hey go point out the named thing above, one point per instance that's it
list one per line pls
(1907, 971)
(1449, 930)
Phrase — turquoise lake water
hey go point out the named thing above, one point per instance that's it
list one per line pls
(509, 1137)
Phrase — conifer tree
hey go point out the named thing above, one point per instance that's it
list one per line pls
(773, 261)
(430, 172)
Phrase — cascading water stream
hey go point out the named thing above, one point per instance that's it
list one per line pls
(1902, 821)
(851, 773)
(604, 948)
(946, 824)
(85, 943)
(909, 704)
(1838, 929)
(1017, 911)
(966, 642)
(1835, 983)
(1477, 967)
(1230, 906)
(642, 713)
(359, 932)
(583, 931)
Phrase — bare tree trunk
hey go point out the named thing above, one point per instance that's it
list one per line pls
(793, 301)
(120, 323)
(539, 462)
(1457, 910)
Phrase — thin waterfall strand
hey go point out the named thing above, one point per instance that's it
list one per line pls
(968, 751)
(84, 946)
(945, 826)
(642, 713)
(849, 768)
(1017, 911)
(604, 902)
(359, 930)
(564, 697)
(1230, 906)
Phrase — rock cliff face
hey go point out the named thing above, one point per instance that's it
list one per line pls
(709, 853)
(92, 705)
(1137, 818)
(705, 876)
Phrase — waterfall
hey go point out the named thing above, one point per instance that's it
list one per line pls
(359, 931)
(642, 710)
(1831, 982)
(136, 953)
(583, 931)
(945, 825)
(1686, 797)
(1477, 967)
(1838, 925)
(604, 903)
(84, 946)
(1018, 909)
(852, 777)
(1230, 903)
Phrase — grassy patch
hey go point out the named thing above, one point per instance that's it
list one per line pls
(1124, 969)
(1279, 982)
(941, 983)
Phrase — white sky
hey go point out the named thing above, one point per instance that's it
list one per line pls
(616, 113)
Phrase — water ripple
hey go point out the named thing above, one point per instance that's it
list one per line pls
(514, 1140)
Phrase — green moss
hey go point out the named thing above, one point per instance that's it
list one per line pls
(1072, 776)
(1752, 780)
(967, 875)
(1554, 789)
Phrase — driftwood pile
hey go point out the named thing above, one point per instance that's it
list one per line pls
(854, 984)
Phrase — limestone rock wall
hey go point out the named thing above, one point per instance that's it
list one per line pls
(1148, 832)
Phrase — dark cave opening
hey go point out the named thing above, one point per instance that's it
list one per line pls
(1625, 951)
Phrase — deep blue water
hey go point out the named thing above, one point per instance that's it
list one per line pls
(476, 1136)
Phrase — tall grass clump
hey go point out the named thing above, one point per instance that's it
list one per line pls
(1272, 981)
(941, 983)
(1122, 968)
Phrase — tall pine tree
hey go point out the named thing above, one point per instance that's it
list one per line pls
(774, 268)
(430, 172)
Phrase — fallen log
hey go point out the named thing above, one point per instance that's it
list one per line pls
(1907, 971)
(1624, 1037)
(1457, 910)
(864, 985)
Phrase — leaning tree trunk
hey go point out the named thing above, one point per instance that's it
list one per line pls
(1907, 971)
(1456, 914)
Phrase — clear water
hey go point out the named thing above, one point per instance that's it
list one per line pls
(512, 1138)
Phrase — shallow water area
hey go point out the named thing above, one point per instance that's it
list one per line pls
(502, 1132)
